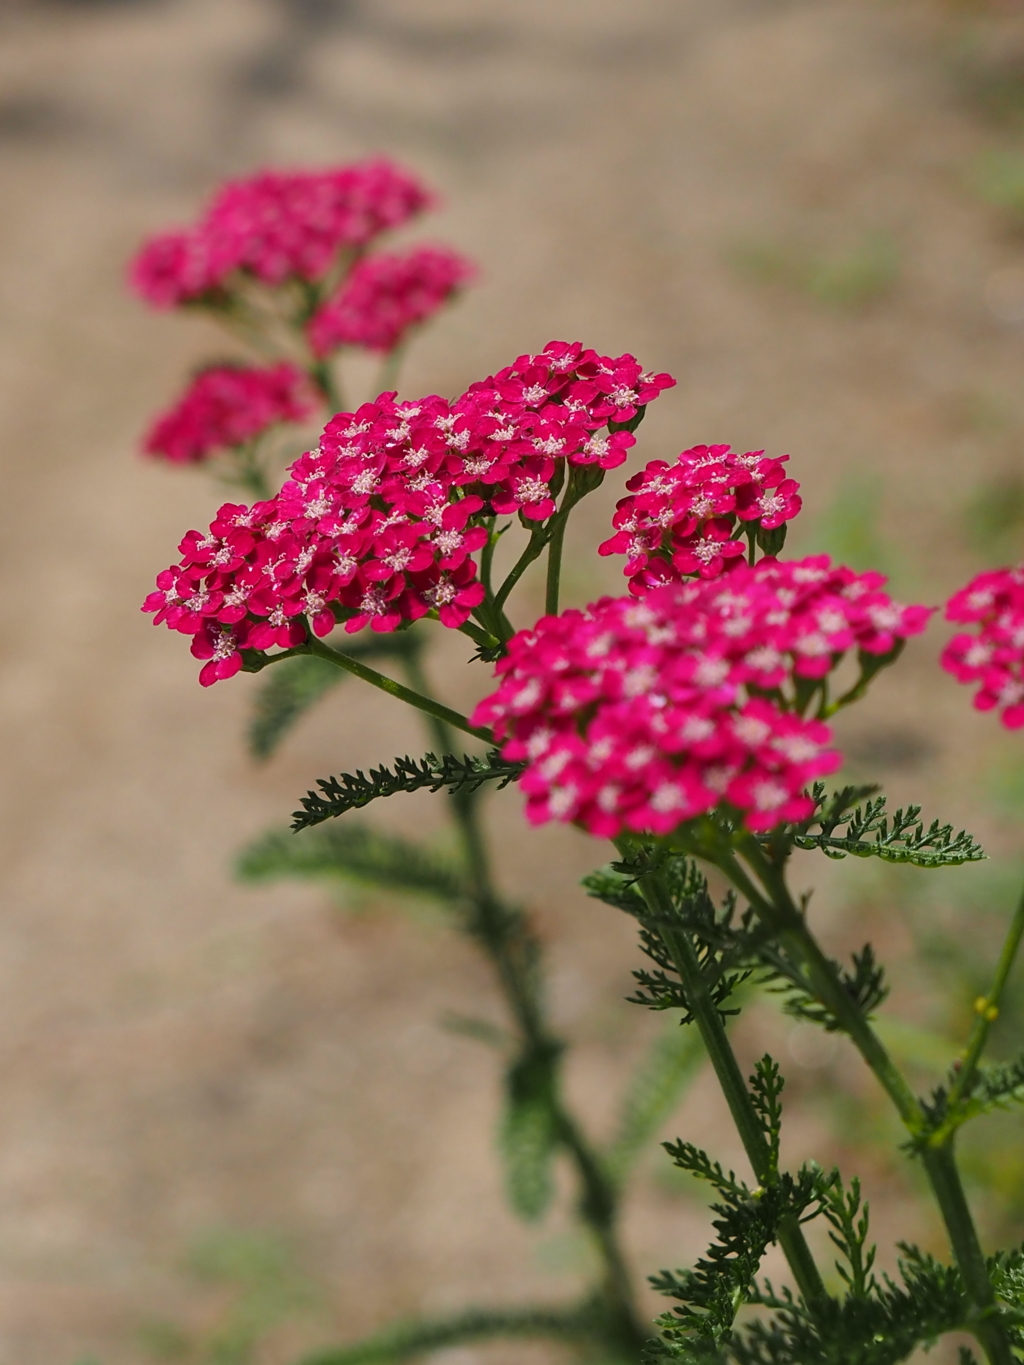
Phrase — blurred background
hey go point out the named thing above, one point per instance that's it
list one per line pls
(231, 1127)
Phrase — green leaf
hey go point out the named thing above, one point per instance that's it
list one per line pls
(528, 1141)
(295, 685)
(655, 1090)
(404, 1339)
(529, 1132)
(352, 791)
(994, 1087)
(869, 831)
(353, 852)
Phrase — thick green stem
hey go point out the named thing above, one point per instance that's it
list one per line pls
(779, 910)
(395, 689)
(507, 939)
(730, 1078)
(987, 1009)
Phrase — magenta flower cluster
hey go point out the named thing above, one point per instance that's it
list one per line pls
(379, 525)
(226, 406)
(277, 226)
(385, 296)
(681, 519)
(639, 714)
(994, 655)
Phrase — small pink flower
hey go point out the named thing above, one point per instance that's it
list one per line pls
(386, 295)
(994, 655)
(644, 712)
(226, 406)
(276, 226)
(687, 518)
(385, 518)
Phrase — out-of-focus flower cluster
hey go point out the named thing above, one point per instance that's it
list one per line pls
(226, 406)
(276, 226)
(380, 523)
(994, 655)
(641, 714)
(385, 296)
(681, 519)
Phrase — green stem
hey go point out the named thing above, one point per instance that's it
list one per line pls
(538, 539)
(323, 377)
(387, 379)
(730, 1078)
(555, 562)
(987, 1009)
(780, 911)
(514, 952)
(395, 689)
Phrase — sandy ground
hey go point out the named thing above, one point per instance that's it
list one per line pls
(180, 1054)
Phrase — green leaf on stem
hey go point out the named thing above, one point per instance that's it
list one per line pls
(839, 828)
(994, 1087)
(747, 1223)
(356, 853)
(352, 791)
(865, 985)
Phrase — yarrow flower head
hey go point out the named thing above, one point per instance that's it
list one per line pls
(276, 226)
(688, 518)
(642, 714)
(994, 655)
(386, 295)
(226, 406)
(379, 525)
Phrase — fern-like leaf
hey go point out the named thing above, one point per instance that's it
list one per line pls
(353, 852)
(869, 831)
(352, 791)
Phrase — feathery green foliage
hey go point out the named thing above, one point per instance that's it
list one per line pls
(869, 831)
(721, 942)
(353, 852)
(352, 791)
(993, 1087)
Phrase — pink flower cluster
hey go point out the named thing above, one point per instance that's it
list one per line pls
(379, 524)
(276, 226)
(994, 656)
(386, 295)
(641, 714)
(680, 519)
(225, 406)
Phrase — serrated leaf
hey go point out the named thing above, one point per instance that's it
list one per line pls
(352, 791)
(353, 852)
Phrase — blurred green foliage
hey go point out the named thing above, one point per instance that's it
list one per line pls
(262, 1289)
(999, 179)
(847, 279)
(993, 518)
